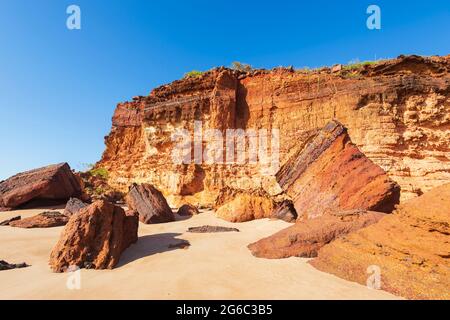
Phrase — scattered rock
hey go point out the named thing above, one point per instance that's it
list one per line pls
(330, 174)
(188, 210)
(182, 244)
(150, 203)
(305, 238)
(9, 266)
(74, 205)
(411, 248)
(47, 219)
(51, 184)
(95, 238)
(241, 206)
(7, 222)
(285, 211)
(211, 229)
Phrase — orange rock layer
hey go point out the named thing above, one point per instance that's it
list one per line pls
(397, 113)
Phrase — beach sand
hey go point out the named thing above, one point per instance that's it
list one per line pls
(215, 266)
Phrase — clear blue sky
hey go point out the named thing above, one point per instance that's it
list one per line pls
(58, 88)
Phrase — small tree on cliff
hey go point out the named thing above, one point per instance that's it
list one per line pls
(244, 67)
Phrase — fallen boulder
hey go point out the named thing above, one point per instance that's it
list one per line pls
(329, 173)
(48, 185)
(242, 206)
(47, 219)
(73, 206)
(188, 210)
(95, 238)
(150, 203)
(410, 249)
(305, 238)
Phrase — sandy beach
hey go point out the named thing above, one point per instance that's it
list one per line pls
(215, 266)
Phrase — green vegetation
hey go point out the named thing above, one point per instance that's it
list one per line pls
(96, 172)
(100, 172)
(193, 74)
(244, 67)
(356, 64)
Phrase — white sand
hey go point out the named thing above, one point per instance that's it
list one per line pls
(215, 266)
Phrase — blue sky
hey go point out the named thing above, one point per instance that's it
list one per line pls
(59, 87)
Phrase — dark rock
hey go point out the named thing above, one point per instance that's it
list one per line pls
(74, 205)
(150, 203)
(285, 211)
(183, 244)
(211, 229)
(9, 266)
(7, 222)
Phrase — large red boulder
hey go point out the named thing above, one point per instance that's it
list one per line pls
(305, 238)
(150, 203)
(95, 238)
(48, 185)
(329, 173)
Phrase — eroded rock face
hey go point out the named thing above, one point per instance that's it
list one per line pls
(411, 248)
(240, 206)
(95, 238)
(397, 113)
(330, 174)
(150, 203)
(73, 206)
(48, 219)
(51, 184)
(188, 210)
(305, 238)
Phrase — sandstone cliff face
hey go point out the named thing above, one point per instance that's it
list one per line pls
(397, 113)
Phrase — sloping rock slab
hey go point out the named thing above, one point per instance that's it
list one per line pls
(330, 174)
(211, 229)
(54, 183)
(150, 203)
(410, 249)
(43, 220)
(95, 238)
(305, 238)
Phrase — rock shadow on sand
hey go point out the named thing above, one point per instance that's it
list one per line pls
(152, 244)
